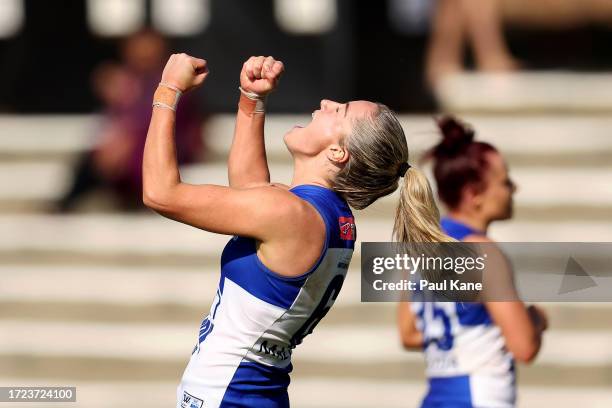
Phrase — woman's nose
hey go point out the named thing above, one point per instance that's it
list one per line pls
(326, 103)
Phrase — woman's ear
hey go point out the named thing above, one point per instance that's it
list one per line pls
(337, 154)
(473, 195)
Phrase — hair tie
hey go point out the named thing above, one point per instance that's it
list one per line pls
(403, 168)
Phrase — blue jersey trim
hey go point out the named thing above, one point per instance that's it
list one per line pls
(330, 206)
(448, 392)
(456, 229)
(257, 385)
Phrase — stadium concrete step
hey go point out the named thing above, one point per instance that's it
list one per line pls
(524, 139)
(146, 352)
(45, 136)
(112, 293)
(116, 237)
(543, 139)
(526, 92)
(543, 193)
(549, 156)
(170, 341)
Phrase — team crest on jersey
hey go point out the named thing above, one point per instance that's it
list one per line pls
(189, 401)
(347, 228)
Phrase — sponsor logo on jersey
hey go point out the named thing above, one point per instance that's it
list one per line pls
(347, 228)
(189, 401)
(274, 350)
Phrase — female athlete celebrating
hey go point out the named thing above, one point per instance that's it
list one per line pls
(470, 347)
(286, 263)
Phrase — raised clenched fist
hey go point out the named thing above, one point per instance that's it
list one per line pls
(184, 72)
(261, 75)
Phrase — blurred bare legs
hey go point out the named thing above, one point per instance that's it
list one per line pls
(475, 22)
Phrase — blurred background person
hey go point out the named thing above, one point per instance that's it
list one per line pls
(470, 348)
(125, 91)
(475, 23)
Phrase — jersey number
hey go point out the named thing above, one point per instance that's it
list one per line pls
(320, 311)
(439, 317)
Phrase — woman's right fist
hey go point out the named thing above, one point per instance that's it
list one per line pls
(261, 75)
(184, 72)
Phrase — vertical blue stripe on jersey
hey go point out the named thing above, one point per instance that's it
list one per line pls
(214, 312)
(205, 328)
(207, 325)
(448, 392)
(257, 385)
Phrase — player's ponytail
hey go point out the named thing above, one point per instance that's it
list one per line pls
(417, 218)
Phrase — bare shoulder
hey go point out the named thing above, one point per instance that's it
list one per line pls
(286, 205)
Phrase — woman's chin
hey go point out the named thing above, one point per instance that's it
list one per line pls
(292, 134)
(286, 139)
(296, 128)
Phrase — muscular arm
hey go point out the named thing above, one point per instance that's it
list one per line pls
(160, 173)
(247, 163)
(248, 211)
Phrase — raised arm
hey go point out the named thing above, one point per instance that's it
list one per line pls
(267, 213)
(247, 163)
(160, 173)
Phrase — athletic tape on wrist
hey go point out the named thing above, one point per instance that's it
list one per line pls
(250, 102)
(167, 96)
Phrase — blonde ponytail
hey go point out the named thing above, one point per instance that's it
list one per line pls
(417, 219)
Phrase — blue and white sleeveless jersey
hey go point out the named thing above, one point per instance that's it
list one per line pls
(467, 361)
(243, 354)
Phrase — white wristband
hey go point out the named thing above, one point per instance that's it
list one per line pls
(260, 105)
(163, 105)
